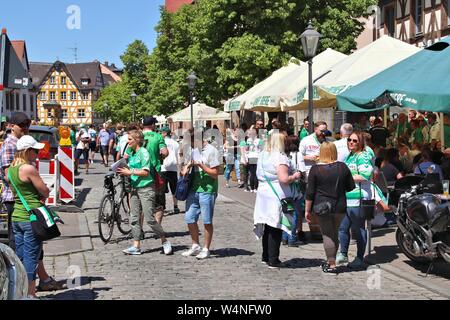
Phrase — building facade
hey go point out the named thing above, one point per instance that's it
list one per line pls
(67, 92)
(418, 22)
(20, 100)
(173, 5)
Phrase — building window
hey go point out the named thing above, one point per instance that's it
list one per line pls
(24, 100)
(17, 101)
(73, 95)
(389, 21)
(31, 103)
(85, 95)
(63, 80)
(42, 95)
(52, 80)
(63, 95)
(11, 101)
(52, 95)
(81, 113)
(64, 114)
(418, 17)
(49, 114)
(7, 98)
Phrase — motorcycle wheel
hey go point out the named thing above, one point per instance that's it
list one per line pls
(445, 253)
(408, 250)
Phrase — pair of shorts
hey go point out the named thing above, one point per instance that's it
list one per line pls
(160, 201)
(200, 203)
(84, 152)
(93, 146)
(171, 181)
(104, 150)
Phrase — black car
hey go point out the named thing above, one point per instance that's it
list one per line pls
(42, 134)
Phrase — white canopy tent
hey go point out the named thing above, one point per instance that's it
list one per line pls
(363, 64)
(291, 90)
(239, 102)
(201, 113)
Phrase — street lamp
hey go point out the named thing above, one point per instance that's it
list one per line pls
(310, 42)
(105, 111)
(133, 102)
(192, 81)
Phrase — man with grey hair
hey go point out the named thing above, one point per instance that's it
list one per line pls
(341, 145)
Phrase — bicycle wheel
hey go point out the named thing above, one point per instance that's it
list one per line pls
(124, 218)
(106, 219)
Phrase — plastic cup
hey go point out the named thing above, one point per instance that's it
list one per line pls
(445, 187)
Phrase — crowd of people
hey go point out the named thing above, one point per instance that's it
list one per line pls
(295, 177)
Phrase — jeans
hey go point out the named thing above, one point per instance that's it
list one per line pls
(200, 203)
(28, 248)
(11, 239)
(142, 201)
(253, 178)
(297, 216)
(355, 221)
(271, 245)
(229, 168)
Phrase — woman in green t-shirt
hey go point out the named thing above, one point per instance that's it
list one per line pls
(24, 178)
(142, 197)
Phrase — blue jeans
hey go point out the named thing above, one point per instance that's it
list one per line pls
(355, 221)
(294, 237)
(28, 248)
(200, 202)
(229, 168)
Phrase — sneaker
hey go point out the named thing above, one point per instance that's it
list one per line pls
(176, 210)
(193, 251)
(204, 254)
(132, 251)
(51, 285)
(247, 190)
(255, 191)
(328, 270)
(341, 258)
(276, 265)
(167, 247)
(265, 262)
(356, 264)
(301, 236)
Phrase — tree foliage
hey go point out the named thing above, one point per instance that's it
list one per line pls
(232, 45)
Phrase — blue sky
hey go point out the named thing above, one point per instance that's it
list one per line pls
(106, 27)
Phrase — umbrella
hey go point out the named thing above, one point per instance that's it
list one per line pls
(238, 103)
(420, 82)
(201, 113)
(363, 64)
(290, 92)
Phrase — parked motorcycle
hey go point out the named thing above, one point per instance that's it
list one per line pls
(423, 221)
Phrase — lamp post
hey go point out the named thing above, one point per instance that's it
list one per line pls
(133, 102)
(310, 42)
(105, 111)
(192, 81)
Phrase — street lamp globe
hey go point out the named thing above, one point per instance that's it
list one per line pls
(192, 81)
(133, 97)
(310, 41)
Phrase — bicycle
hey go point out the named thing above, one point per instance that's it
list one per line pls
(114, 210)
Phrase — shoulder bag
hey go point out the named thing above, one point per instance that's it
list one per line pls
(184, 185)
(326, 208)
(43, 220)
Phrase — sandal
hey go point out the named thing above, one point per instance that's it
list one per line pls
(327, 269)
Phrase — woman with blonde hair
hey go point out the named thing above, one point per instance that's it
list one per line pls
(24, 178)
(277, 181)
(328, 182)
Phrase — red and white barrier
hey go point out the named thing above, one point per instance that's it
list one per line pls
(66, 176)
(47, 171)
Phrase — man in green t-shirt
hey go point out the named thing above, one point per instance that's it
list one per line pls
(202, 194)
(157, 148)
(304, 132)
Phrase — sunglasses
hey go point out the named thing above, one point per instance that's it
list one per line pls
(352, 140)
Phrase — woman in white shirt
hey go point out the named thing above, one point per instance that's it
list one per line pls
(273, 166)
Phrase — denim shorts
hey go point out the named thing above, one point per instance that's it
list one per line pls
(200, 202)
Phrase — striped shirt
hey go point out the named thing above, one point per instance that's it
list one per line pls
(7, 151)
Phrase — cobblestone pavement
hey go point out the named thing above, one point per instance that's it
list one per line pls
(233, 272)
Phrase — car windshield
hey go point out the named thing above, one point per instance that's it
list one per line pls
(44, 136)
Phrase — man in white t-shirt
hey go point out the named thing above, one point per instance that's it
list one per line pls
(310, 147)
(82, 148)
(169, 168)
(342, 144)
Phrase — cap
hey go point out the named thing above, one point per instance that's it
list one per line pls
(149, 121)
(165, 129)
(18, 118)
(82, 126)
(27, 142)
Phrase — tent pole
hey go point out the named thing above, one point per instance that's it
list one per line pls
(385, 117)
(296, 122)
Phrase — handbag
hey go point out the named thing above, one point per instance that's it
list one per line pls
(43, 220)
(326, 208)
(366, 206)
(184, 185)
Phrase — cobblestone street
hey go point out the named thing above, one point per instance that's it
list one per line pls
(234, 270)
